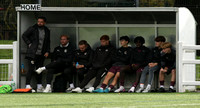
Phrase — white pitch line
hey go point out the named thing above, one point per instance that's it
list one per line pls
(174, 105)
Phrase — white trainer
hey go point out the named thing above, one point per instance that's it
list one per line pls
(140, 90)
(120, 89)
(39, 70)
(29, 87)
(47, 90)
(132, 89)
(40, 90)
(70, 88)
(77, 90)
(148, 88)
(90, 89)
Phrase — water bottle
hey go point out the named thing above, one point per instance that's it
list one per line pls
(77, 64)
(22, 69)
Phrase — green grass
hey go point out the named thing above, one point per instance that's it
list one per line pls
(6, 41)
(90, 100)
(5, 54)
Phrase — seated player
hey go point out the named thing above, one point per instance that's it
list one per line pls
(83, 59)
(101, 62)
(61, 62)
(140, 58)
(153, 66)
(168, 65)
(123, 56)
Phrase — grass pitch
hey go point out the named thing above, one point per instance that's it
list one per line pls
(100, 100)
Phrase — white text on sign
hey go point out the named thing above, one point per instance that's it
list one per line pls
(30, 7)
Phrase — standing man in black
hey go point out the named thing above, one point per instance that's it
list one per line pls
(37, 38)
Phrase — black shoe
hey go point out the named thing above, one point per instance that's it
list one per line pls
(161, 89)
(171, 90)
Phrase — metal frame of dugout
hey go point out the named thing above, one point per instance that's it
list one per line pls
(176, 24)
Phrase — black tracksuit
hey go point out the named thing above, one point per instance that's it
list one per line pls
(122, 56)
(141, 57)
(156, 56)
(102, 61)
(31, 37)
(61, 62)
(168, 60)
(83, 58)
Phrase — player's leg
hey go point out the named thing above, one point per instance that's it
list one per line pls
(173, 80)
(38, 63)
(80, 73)
(30, 73)
(100, 74)
(90, 75)
(138, 75)
(150, 78)
(161, 80)
(49, 78)
(48, 66)
(123, 71)
(114, 82)
(108, 76)
(68, 73)
(142, 79)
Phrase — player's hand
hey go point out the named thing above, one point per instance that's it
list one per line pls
(79, 66)
(152, 64)
(46, 54)
(164, 70)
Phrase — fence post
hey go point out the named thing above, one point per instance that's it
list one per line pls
(15, 64)
(179, 72)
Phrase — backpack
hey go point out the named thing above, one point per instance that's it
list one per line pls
(59, 85)
(5, 89)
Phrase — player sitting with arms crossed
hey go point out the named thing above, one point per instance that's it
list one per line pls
(122, 58)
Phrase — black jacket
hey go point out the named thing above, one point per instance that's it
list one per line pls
(169, 60)
(123, 56)
(63, 54)
(103, 57)
(84, 58)
(31, 36)
(140, 56)
(156, 55)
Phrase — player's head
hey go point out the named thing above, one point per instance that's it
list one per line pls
(41, 21)
(166, 47)
(104, 40)
(64, 39)
(82, 45)
(139, 41)
(124, 40)
(159, 40)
